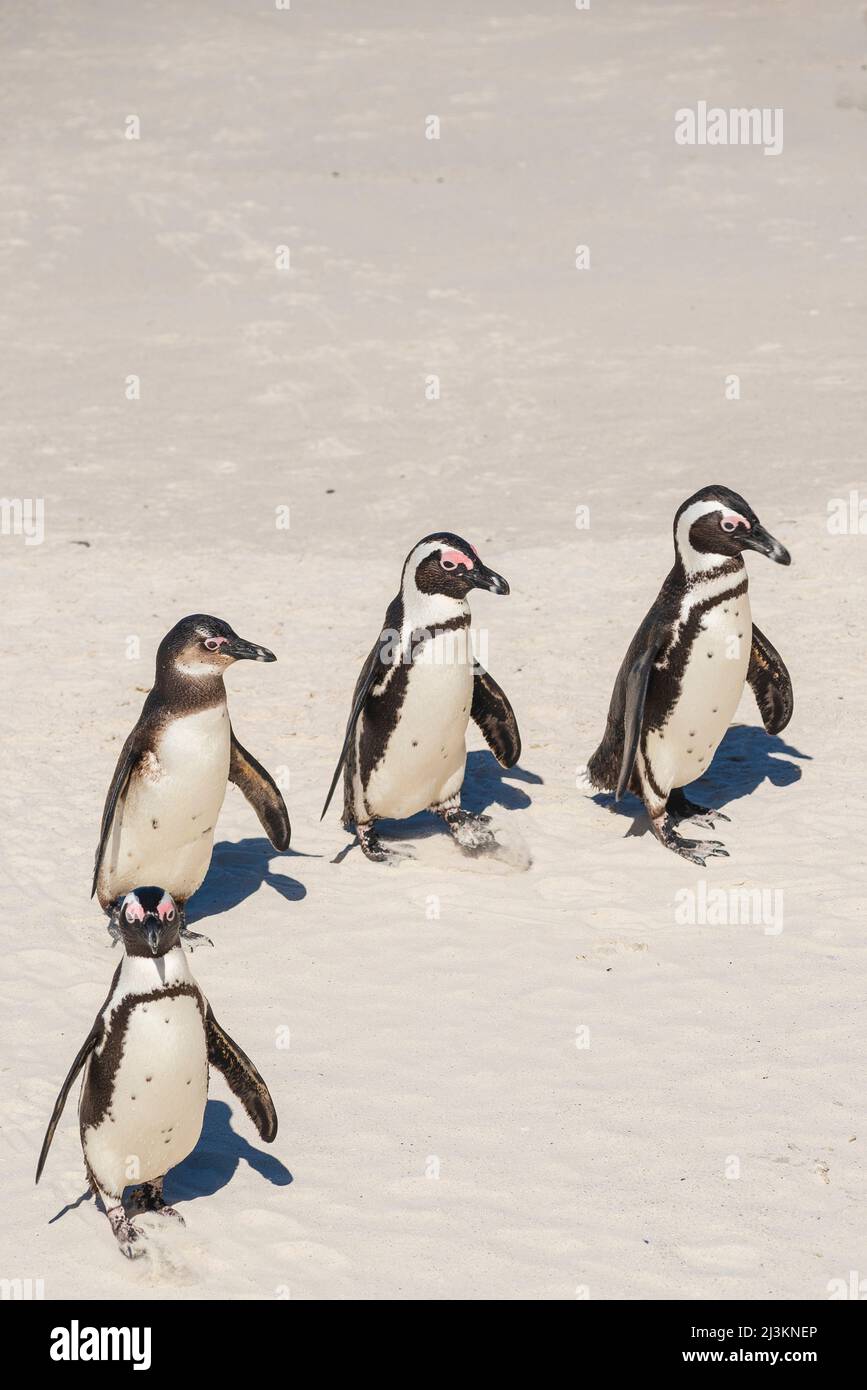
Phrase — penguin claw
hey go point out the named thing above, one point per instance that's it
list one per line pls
(193, 936)
(698, 851)
(373, 849)
(128, 1237)
(470, 831)
(171, 1212)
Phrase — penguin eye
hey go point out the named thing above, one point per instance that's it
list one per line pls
(170, 916)
(448, 564)
(729, 525)
(213, 643)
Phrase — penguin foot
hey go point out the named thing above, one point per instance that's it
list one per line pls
(469, 831)
(186, 935)
(697, 851)
(683, 809)
(125, 1233)
(373, 849)
(148, 1197)
(113, 924)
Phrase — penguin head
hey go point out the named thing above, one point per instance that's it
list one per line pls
(715, 525)
(444, 563)
(201, 647)
(148, 920)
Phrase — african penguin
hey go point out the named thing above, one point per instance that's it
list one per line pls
(682, 677)
(170, 781)
(405, 744)
(145, 1063)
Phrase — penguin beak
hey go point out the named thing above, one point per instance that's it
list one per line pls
(761, 540)
(483, 578)
(240, 650)
(153, 938)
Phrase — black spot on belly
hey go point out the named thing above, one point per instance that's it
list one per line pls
(148, 1078)
(415, 743)
(155, 824)
(709, 655)
(205, 832)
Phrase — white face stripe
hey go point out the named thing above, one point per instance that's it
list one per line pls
(426, 610)
(415, 558)
(694, 561)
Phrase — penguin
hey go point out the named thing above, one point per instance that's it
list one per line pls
(170, 781)
(405, 745)
(683, 674)
(145, 1064)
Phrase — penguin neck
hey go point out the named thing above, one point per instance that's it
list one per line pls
(144, 974)
(695, 568)
(185, 693)
(426, 611)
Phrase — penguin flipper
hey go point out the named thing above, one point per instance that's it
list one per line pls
(771, 683)
(84, 1052)
(495, 717)
(92, 1040)
(242, 1077)
(263, 794)
(374, 666)
(125, 763)
(637, 681)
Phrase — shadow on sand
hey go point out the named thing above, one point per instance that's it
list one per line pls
(216, 1157)
(745, 759)
(486, 785)
(237, 871)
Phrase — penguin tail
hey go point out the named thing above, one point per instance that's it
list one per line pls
(602, 769)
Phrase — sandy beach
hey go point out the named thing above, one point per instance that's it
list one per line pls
(248, 359)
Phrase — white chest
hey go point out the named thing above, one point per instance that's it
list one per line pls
(158, 1095)
(163, 832)
(711, 687)
(426, 754)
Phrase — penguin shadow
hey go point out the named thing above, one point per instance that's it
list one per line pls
(486, 785)
(745, 759)
(216, 1158)
(237, 870)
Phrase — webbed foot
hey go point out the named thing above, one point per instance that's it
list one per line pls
(125, 1233)
(682, 808)
(469, 831)
(697, 851)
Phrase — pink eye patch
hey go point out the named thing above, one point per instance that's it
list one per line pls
(214, 644)
(732, 520)
(166, 908)
(133, 910)
(450, 559)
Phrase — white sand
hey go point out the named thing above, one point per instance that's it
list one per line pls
(560, 1168)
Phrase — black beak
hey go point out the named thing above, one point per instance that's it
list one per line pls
(153, 938)
(247, 651)
(483, 578)
(761, 540)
